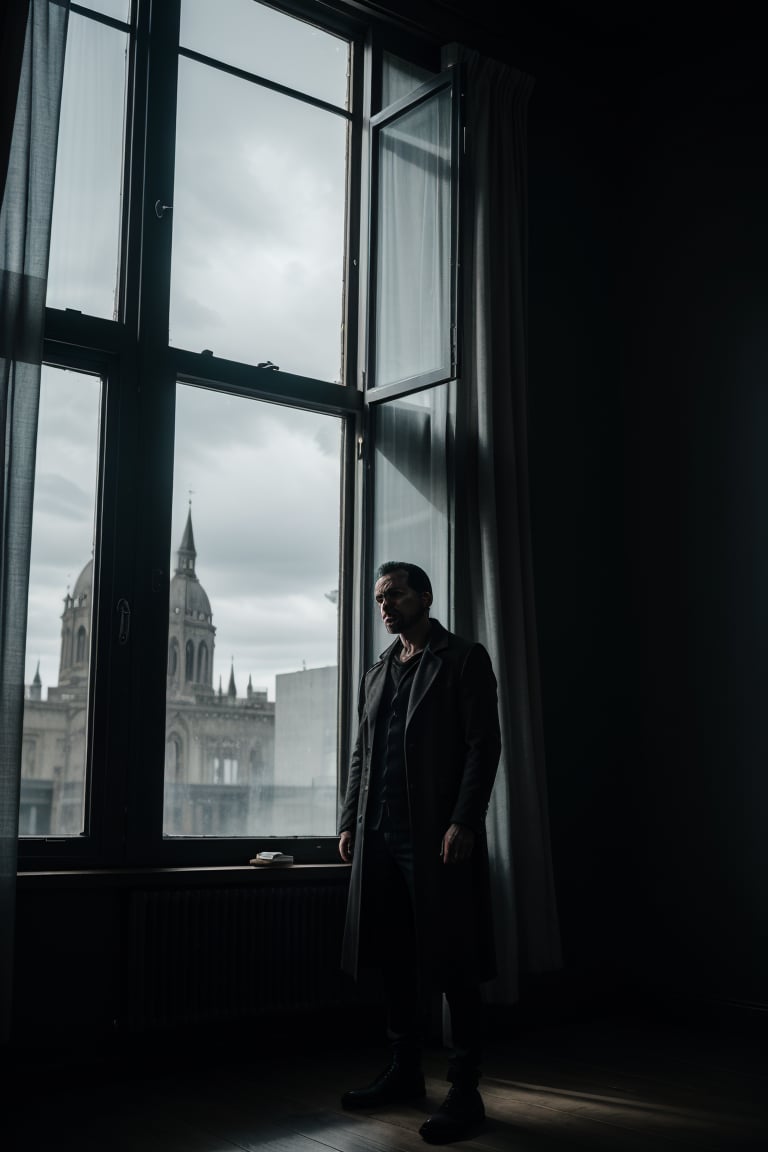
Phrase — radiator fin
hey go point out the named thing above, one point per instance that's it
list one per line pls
(220, 954)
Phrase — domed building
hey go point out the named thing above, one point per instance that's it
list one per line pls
(75, 632)
(54, 739)
(219, 749)
(219, 752)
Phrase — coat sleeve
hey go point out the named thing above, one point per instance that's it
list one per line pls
(482, 738)
(348, 817)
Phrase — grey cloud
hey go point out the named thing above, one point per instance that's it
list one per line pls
(57, 496)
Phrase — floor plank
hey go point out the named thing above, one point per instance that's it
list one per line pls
(597, 1086)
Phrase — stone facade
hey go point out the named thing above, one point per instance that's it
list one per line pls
(222, 777)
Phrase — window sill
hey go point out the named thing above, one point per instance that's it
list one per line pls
(187, 877)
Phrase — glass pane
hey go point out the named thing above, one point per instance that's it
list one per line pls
(85, 229)
(269, 44)
(413, 265)
(253, 619)
(59, 642)
(412, 495)
(258, 225)
(400, 78)
(117, 9)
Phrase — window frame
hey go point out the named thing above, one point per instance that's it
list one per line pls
(377, 397)
(450, 80)
(139, 372)
(106, 721)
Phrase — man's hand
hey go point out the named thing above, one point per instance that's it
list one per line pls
(457, 844)
(346, 846)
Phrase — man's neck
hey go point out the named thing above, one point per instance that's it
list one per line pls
(414, 639)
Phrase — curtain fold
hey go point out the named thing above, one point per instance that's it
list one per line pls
(25, 225)
(492, 558)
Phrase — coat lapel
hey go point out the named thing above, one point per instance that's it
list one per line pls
(377, 678)
(428, 668)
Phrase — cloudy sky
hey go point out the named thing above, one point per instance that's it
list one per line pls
(258, 221)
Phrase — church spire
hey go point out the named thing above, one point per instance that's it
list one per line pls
(232, 690)
(187, 554)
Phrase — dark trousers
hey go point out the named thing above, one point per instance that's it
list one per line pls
(389, 872)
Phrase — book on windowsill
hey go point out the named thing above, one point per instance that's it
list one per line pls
(272, 858)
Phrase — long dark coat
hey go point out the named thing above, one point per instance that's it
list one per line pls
(452, 749)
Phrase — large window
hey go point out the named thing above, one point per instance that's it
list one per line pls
(413, 341)
(225, 278)
(260, 188)
(254, 604)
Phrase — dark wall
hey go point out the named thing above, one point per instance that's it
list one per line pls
(649, 419)
(575, 416)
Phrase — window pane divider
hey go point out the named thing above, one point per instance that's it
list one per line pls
(265, 383)
(262, 82)
(67, 327)
(102, 17)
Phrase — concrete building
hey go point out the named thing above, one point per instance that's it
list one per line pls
(305, 750)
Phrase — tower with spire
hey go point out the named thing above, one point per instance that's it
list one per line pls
(219, 751)
(36, 688)
(191, 633)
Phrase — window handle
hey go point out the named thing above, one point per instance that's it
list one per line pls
(161, 209)
(124, 609)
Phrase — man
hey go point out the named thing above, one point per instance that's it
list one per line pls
(413, 826)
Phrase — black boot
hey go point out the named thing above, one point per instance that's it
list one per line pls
(460, 1115)
(401, 1083)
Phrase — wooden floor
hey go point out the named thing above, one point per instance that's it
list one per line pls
(603, 1086)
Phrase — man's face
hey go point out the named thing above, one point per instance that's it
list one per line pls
(401, 607)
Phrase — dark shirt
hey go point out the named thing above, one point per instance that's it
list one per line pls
(388, 805)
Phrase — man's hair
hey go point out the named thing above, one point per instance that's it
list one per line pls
(417, 577)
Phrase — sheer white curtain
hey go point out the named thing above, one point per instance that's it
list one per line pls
(25, 224)
(413, 260)
(494, 600)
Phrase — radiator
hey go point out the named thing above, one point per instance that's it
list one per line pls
(220, 954)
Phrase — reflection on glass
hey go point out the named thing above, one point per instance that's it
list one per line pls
(85, 228)
(412, 497)
(258, 225)
(270, 44)
(58, 644)
(413, 261)
(253, 621)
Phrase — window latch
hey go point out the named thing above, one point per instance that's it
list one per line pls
(124, 628)
(161, 209)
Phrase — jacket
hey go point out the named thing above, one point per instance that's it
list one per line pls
(452, 750)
